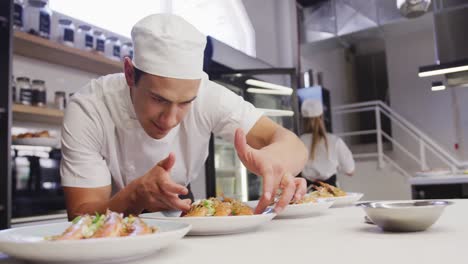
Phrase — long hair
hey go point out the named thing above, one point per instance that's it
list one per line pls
(316, 126)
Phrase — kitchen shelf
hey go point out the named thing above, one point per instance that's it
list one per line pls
(46, 50)
(37, 114)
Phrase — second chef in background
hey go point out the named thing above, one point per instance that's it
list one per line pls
(327, 152)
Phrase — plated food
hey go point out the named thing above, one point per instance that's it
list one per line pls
(42, 138)
(40, 134)
(111, 224)
(216, 216)
(35, 243)
(218, 207)
(324, 190)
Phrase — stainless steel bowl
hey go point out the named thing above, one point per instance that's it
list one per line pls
(404, 216)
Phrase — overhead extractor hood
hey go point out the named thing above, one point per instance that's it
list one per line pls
(451, 43)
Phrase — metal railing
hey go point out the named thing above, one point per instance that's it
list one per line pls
(425, 142)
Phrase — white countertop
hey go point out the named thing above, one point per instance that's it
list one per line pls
(440, 179)
(339, 236)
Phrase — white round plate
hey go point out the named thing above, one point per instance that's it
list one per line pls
(349, 199)
(27, 243)
(300, 210)
(217, 225)
(39, 141)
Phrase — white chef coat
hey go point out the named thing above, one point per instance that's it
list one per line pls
(103, 143)
(325, 165)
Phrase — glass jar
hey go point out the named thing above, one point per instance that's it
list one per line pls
(126, 50)
(99, 41)
(60, 100)
(84, 38)
(25, 90)
(38, 17)
(112, 48)
(18, 15)
(66, 32)
(13, 89)
(39, 93)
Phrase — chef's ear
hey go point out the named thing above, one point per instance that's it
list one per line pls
(129, 71)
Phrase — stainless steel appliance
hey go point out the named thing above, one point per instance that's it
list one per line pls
(36, 188)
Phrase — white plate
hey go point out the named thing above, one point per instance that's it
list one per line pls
(217, 225)
(28, 243)
(39, 141)
(349, 199)
(300, 210)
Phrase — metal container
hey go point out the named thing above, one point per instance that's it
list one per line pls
(126, 50)
(25, 90)
(404, 216)
(112, 49)
(66, 32)
(13, 88)
(84, 38)
(18, 15)
(60, 100)
(39, 93)
(99, 41)
(38, 18)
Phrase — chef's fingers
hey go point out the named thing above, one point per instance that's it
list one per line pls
(268, 188)
(288, 189)
(177, 203)
(167, 185)
(301, 188)
(240, 143)
(168, 162)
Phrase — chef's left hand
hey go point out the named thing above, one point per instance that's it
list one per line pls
(275, 176)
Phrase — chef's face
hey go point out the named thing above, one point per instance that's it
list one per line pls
(160, 103)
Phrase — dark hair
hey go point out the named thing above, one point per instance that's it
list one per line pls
(138, 74)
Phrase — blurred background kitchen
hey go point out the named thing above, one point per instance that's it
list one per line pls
(392, 75)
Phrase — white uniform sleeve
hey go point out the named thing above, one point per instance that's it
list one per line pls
(345, 157)
(229, 112)
(82, 164)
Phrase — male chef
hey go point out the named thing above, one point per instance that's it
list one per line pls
(133, 141)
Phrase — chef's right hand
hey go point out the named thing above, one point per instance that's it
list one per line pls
(156, 191)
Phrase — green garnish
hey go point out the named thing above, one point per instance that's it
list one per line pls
(78, 218)
(209, 205)
(98, 221)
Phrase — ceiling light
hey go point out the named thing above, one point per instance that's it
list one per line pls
(438, 86)
(266, 91)
(276, 112)
(439, 69)
(268, 85)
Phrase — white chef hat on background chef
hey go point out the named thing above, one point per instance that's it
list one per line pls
(311, 108)
(167, 45)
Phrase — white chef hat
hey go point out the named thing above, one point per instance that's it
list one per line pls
(167, 45)
(311, 108)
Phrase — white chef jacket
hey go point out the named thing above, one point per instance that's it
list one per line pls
(325, 165)
(103, 143)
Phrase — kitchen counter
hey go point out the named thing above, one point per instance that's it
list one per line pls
(442, 179)
(338, 236)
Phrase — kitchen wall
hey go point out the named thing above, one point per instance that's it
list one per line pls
(274, 22)
(411, 96)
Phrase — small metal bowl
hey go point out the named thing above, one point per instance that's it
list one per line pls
(404, 216)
